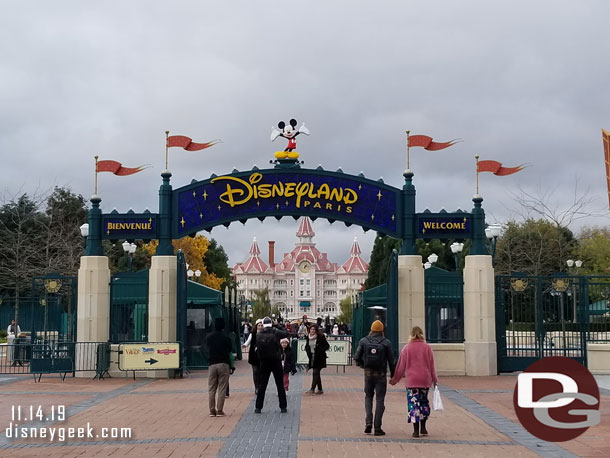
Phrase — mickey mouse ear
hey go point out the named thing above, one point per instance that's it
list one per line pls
(293, 122)
(281, 124)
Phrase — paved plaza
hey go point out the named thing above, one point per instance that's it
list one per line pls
(169, 418)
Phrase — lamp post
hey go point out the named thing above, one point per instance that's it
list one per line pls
(431, 260)
(492, 232)
(129, 249)
(577, 265)
(456, 248)
(84, 230)
(190, 273)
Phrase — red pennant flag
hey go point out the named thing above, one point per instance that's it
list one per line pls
(606, 138)
(496, 168)
(116, 168)
(427, 143)
(187, 143)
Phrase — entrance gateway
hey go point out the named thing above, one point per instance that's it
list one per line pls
(288, 189)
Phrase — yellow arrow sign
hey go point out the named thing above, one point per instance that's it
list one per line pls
(145, 356)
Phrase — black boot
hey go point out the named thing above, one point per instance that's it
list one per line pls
(415, 429)
(423, 431)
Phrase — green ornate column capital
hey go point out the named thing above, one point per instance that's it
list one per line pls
(165, 247)
(478, 246)
(94, 239)
(408, 215)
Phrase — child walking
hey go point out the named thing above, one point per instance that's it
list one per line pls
(288, 363)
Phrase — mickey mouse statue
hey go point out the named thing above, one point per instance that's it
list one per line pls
(289, 132)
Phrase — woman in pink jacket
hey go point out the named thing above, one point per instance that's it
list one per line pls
(416, 364)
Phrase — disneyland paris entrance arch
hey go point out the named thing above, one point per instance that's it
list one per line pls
(287, 189)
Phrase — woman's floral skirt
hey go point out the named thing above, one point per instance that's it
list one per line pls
(417, 404)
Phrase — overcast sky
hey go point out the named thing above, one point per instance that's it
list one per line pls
(517, 81)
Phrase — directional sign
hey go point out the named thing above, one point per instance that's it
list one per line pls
(337, 354)
(146, 356)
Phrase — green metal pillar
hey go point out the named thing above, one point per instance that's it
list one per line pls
(165, 247)
(478, 228)
(408, 215)
(94, 239)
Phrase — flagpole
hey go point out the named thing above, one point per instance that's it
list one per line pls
(95, 193)
(476, 158)
(408, 158)
(166, 147)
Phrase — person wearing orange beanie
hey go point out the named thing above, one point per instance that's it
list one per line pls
(374, 354)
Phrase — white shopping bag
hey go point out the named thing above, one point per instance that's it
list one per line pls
(437, 403)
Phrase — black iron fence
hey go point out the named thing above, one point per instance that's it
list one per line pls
(54, 357)
(444, 306)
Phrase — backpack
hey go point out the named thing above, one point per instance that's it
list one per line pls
(267, 346)
(374, 356)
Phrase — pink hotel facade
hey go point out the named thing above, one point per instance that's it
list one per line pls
(305, 281)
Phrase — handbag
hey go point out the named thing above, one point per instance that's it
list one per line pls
(437, 403)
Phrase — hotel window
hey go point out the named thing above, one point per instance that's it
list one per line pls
(308, 293)
(301, 282)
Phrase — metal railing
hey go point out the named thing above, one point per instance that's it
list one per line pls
(54, 357)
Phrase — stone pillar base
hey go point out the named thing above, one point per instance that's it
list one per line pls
(93, 316)
(481, 358)
(411, 296)
(162, 291)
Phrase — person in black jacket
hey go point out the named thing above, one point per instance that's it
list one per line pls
(219, 362)
(268, 351)
(374, 354)
(252, 357)
(288, 363)
(316, 347)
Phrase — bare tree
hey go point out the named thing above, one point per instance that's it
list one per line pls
(544, 204)
(20, 228)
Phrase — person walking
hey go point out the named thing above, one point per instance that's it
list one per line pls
(416, 364)
(219, 361)
(246, 331)
(252, 356)
(288, 364)
(335, 329)
(268, 351)
(375, 355)
(12, 332)
(316, 348)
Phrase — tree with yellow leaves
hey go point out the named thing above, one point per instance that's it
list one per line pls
(194, 249)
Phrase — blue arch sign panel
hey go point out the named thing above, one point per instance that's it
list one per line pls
(295, 192)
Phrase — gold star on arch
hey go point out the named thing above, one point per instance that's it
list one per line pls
(393, 217)
(205, 195)
(182, 222)
(200, 215)
(372, 217)
(258, 203)
(379, 195)
(277, 206)
(218, 207)
(194, 194)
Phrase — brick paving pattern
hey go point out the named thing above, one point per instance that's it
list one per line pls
(169, 418)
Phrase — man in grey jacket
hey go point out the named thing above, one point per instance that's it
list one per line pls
(374, 354)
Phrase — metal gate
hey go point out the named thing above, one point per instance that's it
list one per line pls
(53, 313)
(540, 316)
(129, 307)
(444, 305)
